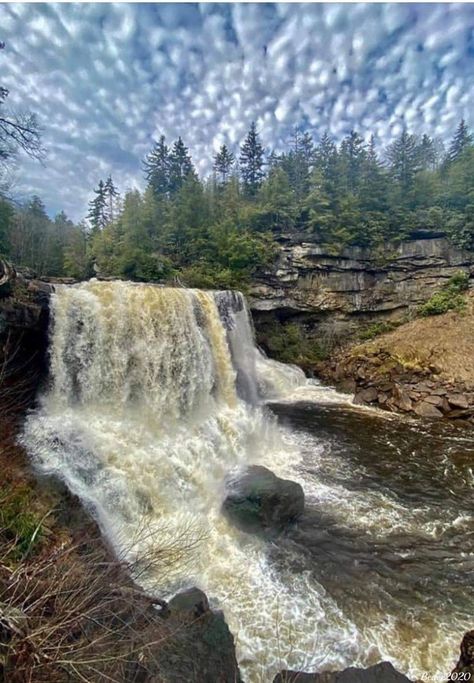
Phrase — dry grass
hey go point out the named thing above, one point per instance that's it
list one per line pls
(444, 341)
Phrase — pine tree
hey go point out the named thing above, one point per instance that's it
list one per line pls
(223, 162)
(112, 197)
(97, 215)
(461, 141)
(352, 157)
(403, 158)
(426, 151)
(326, 160)
(157, 168)
(180, 165)
(251, 162)
(307, 149)
(373, 181)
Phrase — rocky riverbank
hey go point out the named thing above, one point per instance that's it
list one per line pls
(423, 368)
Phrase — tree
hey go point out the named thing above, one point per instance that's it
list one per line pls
(352, 156)
(19, 131)
(157, 168)
(223, 162)
(326, 161)
(180, 166)
(97, 215)
(427, 155)
(404, 161)
(461, 141)
(251, 162)
(112, 197)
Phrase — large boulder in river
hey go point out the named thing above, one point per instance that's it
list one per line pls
(380, 673)
(260, 500)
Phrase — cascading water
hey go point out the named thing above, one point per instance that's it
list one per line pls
(155, 398)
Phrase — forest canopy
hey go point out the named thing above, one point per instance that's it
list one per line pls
(216, 231)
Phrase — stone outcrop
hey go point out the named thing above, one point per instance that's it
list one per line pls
(261, 500)
(464, 669)
(380, 673)
(203, 648)
(336, 294)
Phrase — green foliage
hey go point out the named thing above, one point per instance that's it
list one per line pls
(223, 230)
(289, 343)
(450, 297)
(375, 329)
(18, 524)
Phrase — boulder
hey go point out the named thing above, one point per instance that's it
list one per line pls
(428, 410)
(260, 500)
(436, 401)
(458, 401)
(200, 646)
(192, 602)
(368, 395)
(380, 673)
(465, 665)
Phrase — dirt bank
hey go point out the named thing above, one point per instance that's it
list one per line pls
(423, 367)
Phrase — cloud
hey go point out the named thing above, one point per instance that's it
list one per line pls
(105, 79)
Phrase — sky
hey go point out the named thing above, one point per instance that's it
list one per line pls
(105, 80)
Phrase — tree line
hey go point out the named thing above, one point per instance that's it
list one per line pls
(216, 231)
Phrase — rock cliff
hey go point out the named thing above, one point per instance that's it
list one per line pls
(338, 293)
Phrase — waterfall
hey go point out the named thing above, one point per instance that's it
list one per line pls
(155, 397)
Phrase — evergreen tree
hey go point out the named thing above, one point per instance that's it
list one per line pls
(404, 161)
(427, 156)
(373, 181)
(326, 160)
(97, 215)
(112, 198)
(461, 141)
(157, 167)
(180, 165)
(223, 162)
(251, 162)
(352, 157)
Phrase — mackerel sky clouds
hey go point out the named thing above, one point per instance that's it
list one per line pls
(106, 79)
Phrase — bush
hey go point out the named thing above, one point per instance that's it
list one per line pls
(374, 329)
(450, 297)
(289, 344)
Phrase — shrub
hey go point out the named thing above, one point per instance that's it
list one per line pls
(450, 297)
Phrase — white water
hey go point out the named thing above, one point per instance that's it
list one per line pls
(156, 397)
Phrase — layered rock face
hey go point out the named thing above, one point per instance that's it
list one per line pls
(338, 293)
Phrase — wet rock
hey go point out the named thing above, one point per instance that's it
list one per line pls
(428, 410)
(458, 400)
(465, 664)
(380, 673)
(192, 602)
(368, 395)
(261, 500)
(202, 647)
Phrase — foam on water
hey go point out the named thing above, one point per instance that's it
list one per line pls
(156, 396)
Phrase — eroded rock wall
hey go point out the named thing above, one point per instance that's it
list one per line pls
(339, 293)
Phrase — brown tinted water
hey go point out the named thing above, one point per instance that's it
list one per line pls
(388, 532)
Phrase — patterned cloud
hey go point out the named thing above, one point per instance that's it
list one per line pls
(105, 79)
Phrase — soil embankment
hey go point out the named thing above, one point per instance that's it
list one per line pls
(423, 367)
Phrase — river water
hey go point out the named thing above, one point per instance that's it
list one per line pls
(157, 395)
